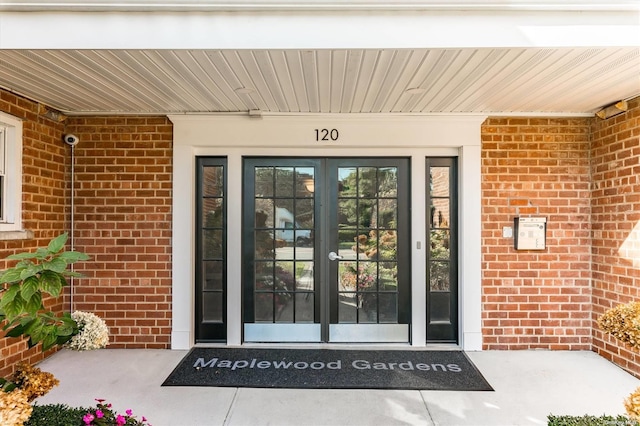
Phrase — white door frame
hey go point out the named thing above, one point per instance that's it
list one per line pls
(415, 137)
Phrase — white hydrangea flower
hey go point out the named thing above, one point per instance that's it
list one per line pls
(94, 333)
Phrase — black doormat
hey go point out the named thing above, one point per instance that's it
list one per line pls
(328, 369)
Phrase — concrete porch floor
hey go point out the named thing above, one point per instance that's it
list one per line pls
(529, 385)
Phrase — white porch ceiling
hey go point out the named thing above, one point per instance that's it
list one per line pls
(350, 57)
(461, 80)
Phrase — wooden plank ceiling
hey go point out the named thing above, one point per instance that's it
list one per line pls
(405, 81)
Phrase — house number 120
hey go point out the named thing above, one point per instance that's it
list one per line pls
(326, 135)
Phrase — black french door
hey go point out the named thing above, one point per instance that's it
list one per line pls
(326, 250)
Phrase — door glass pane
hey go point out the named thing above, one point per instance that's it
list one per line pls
(212, 306)
(212, 212)
(440, 213)
(264, 245)
(264, 181)
(284, 182)
(213, 181)
(347, 182)
(213, 278)
(348, 308)
(368, 308)
(387, 214)
(439, 181)
(440, 245)
(367, 238)
(284, 244)
(263, 309)
(367, 182)
(284, 307)
(439, 276)
(388, 305)
(346, 213)
(212, 243)
(304, 307)
(388, 182)
(305, 182)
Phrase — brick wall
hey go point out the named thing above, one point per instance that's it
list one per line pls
(531, 299)
(45, 162)
(122, 209)
(615, 204)
(536, 299)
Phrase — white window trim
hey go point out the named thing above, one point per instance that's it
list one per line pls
(11, 224)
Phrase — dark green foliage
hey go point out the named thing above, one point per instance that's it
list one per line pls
(6, 385)
(590, 421)
(44, 271)
(56, 415)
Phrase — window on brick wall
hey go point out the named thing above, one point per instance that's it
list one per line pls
(10, 173)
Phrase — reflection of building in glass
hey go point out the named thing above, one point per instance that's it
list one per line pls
(440, 211)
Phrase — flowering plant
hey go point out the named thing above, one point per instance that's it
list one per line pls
(32, 381)
(103, 415)
(14, 408)
(27, 383)
(93, 333)
(623, 323)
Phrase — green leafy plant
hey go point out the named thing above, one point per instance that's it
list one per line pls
(21, 301)
(56, 415)
(590, 421)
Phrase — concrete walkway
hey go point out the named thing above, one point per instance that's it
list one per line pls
(529, 385)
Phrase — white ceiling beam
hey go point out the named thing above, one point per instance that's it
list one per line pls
(317, 30)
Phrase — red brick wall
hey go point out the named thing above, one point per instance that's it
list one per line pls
(531, 299)
(615, 205)
(123, 168)
(45, 161)
(536, 299)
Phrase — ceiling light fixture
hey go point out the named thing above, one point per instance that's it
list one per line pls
(255, 113)
(613, 110)
(245, 90)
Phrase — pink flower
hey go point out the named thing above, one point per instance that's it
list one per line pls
(144, 419)
(129, 412)
(120, 420)
(100, 400)
(99, 414)
(88, 418)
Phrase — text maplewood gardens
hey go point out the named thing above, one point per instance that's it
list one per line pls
(359, 364)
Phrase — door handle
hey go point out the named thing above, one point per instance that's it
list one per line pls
(334, 256)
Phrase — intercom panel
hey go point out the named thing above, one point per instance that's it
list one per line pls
(530, 233)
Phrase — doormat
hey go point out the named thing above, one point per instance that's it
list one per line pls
(328, 369)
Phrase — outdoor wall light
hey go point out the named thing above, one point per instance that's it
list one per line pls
(612, 110)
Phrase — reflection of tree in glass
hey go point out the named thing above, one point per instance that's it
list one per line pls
(361, 192)
(439, 249)
(213, 240)
(289, 187)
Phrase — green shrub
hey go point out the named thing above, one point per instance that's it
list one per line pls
(56, 415)
(590, 421)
